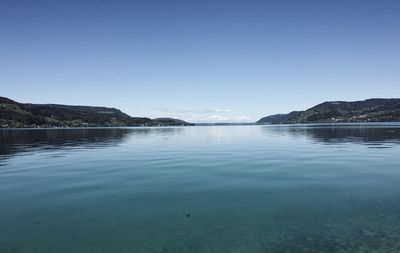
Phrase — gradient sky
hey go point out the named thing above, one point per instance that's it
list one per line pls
(202, 61)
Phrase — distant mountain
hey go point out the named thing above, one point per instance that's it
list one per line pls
(370, 110)
(172, 122)
(225, 124)
(14, 114)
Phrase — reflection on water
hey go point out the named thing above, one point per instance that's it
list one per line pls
(201, 189)
(364, 134)
(15, 141)
(22, 140)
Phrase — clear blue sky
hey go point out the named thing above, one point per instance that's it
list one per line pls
(202, 60)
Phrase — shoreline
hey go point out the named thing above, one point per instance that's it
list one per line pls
(216, 124)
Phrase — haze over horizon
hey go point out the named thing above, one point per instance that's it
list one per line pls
(200, 61)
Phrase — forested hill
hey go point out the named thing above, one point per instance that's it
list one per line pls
(17, 115)
(370, 110)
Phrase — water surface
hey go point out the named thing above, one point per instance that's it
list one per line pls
(201, 189)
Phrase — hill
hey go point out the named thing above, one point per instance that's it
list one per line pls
(172, 122)
(278, 118)
(17, 115)
(370, 110)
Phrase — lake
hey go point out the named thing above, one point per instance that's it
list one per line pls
(321, 188)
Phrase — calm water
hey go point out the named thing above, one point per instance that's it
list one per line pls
(201, 189)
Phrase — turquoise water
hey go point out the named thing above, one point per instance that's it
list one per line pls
(201, 189)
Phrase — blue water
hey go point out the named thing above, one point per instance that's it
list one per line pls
(201, 189)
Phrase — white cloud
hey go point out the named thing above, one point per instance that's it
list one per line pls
(217, 118)
(208, 110)
(208, 115)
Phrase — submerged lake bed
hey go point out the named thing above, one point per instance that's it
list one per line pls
(298, 188)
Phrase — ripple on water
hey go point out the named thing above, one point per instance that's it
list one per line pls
(201, 189)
